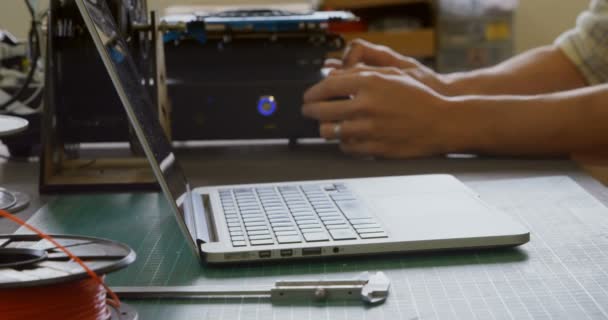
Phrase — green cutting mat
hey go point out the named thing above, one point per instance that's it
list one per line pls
(544, 279)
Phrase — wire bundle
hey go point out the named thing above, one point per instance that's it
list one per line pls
(82, 300)
(35, 53)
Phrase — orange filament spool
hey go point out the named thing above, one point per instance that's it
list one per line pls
(40, 278)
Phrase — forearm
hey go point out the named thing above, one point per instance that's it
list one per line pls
(542, 70)
(548, 124)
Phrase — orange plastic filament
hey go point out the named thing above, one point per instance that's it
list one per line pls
(82, 300)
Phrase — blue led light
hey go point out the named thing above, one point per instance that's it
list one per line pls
(116, 55)
(267, 106)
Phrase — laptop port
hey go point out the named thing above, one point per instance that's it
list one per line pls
(286, 252)
(264, 254)
(311, 251)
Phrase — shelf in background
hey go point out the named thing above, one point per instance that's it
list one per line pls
(358, 4)
(415, 43)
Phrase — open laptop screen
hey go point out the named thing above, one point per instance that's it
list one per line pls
(138, 105)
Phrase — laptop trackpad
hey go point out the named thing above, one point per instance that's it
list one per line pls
(444, 215)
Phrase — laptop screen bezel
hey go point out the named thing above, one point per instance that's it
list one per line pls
(174, 198)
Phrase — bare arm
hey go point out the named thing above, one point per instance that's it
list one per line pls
(398, 117)
(557, 123)
(543, 70)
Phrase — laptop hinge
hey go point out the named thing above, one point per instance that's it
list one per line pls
(202, 221)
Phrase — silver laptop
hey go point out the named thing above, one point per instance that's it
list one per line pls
(295, 220)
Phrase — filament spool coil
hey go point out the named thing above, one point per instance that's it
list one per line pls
(28, 261)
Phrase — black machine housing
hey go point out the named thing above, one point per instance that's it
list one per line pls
(237, 84)
(81, 95)
(243, 84)
(83, 106)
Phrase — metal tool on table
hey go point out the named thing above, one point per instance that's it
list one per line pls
(371, 289)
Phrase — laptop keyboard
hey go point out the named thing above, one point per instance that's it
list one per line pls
(296, 214)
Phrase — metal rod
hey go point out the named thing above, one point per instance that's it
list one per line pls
(371, 289)
(186, 292)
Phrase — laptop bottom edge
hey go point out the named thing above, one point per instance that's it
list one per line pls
(328, 250)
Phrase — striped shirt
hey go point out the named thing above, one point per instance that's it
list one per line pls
(587, 44)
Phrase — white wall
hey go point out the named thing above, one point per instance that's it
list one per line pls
(538, 22)
(14, 17)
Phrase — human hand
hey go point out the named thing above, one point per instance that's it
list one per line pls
(361, 54)
(360, 51)
(389, 114)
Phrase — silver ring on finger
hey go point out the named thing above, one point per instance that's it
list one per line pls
(338, 130)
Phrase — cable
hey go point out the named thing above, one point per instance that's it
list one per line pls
(82, 300)
(33, 37)
(21, 90)
(34, 95)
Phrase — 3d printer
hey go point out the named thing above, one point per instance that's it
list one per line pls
(233, 75)
(82, 106)
(242, 74)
